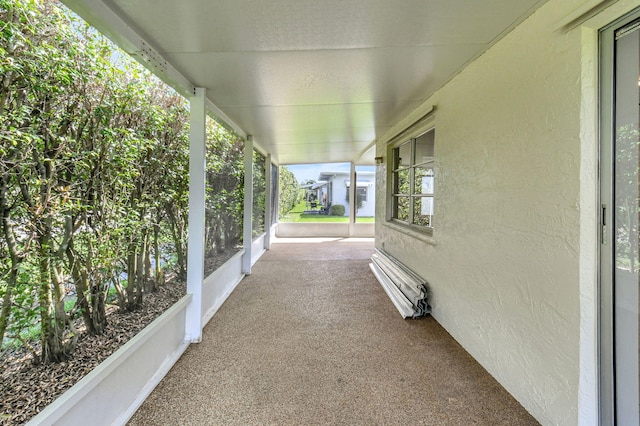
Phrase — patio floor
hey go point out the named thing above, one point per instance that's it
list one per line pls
(312, 338)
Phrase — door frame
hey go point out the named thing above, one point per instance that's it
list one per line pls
(606, 176)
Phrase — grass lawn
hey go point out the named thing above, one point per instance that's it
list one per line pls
(297, 214)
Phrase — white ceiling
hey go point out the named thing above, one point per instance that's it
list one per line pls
(311, 80)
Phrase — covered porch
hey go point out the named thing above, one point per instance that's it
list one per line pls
(311, 338)
(484, 122)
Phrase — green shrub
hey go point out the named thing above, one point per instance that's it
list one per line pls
(337, 210)
(290, 192)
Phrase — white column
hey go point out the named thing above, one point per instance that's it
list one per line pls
(268, 210)
(195, 257)
(352, 200)
(248, 205)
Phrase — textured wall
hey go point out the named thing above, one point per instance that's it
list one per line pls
(504, 261)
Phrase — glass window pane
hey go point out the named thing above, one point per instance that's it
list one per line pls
(401, 208)
(423, 211)
(362, 193)
(424, 147)
(402, 156)
(423, 180)
(626, 229)
(402, 185)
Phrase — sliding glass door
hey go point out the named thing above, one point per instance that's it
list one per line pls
(619, 223)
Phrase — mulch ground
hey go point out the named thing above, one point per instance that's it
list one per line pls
(27, 388)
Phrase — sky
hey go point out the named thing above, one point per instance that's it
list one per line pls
(304, 172)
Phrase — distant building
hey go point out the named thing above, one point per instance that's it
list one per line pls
(333, 187)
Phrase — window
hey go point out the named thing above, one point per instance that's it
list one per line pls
(361, 193)
(361, 198)
(413, 179)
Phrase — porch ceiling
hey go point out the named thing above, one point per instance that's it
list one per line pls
(312, 81)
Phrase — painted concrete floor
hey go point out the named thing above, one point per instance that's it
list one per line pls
(311, 338)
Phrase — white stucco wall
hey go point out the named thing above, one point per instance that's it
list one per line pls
(339, 195)
(339, 189)
(368, 206)
(512, 262)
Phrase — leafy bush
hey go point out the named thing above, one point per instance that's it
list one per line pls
(259, 193)
(337, 210)
(290, 192)
(94, 178)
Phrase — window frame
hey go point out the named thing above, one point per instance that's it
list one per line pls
(410, 135)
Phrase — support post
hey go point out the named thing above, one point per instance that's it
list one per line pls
(268, 206)
(195, 258)
(247, 236)
(352, 199)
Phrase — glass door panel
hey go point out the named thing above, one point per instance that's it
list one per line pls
(625, 226)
